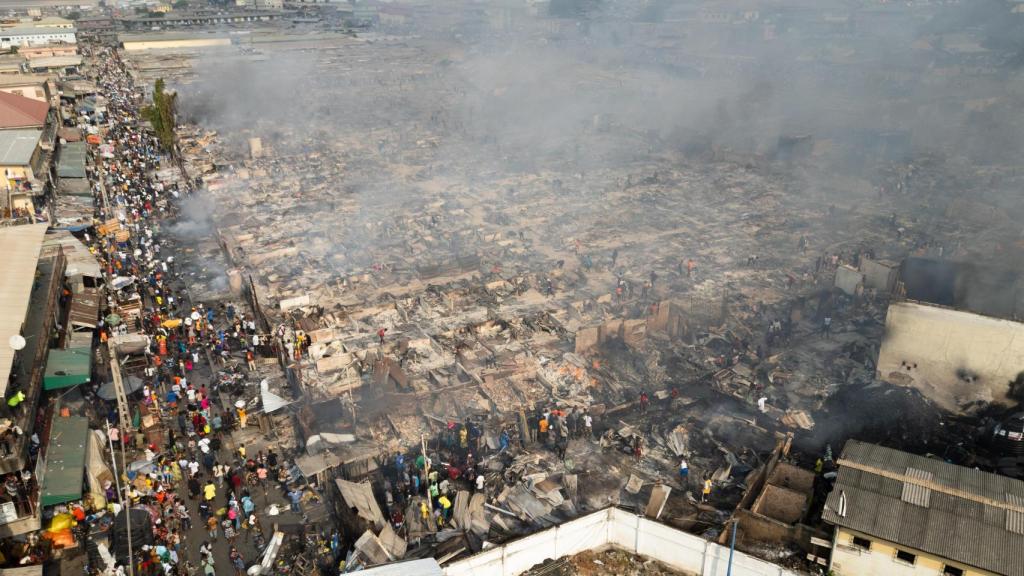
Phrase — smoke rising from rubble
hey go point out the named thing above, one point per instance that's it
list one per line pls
(534, 98)
(195, 218)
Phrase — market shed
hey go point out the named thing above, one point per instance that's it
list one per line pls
(66, 368)
(65, 461)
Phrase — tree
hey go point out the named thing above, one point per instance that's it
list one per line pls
(161, 115)
(180, 4)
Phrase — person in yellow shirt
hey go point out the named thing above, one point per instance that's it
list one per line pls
(446, 506)
(210, 491)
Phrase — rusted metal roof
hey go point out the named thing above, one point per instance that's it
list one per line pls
(85, 308)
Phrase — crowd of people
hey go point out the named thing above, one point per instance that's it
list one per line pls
(183, 474)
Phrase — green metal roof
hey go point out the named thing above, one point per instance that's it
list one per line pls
(72, 160)
(65, 368)
(65, 461)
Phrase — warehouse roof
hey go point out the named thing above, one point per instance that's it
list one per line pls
(62, 61)
(962, 514)
(17, 146)
(65, 461)
(31, 31)
(21, 112)
(21, 256)
(72, 160)
(9, 80)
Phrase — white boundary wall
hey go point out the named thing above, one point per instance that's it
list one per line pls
(614, 528)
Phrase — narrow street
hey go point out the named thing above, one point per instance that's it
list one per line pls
(195, 358)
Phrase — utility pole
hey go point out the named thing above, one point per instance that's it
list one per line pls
(426, 471)
(125, 421)
(120, 500)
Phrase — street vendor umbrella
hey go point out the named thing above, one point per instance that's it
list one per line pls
(112, 319)
(171, 323)
(131, 384)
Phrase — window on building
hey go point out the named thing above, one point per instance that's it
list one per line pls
(952, 571)
(862, 543)
(905, 557)
(39, 93)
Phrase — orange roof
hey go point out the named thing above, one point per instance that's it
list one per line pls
(20, 112)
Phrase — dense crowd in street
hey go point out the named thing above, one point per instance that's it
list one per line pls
(199, 489)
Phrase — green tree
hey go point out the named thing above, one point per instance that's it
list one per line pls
(161, 115)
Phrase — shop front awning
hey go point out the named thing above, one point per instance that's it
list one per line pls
(66, 368)
(17, 273)
(65, 461)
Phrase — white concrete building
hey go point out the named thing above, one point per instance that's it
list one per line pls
(35, 36)
(957, 359)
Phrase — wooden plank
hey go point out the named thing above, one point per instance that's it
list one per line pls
(820, 542)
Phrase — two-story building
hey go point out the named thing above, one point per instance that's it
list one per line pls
(24, 36)
(29, 299)
(23, 165)
(900, 514)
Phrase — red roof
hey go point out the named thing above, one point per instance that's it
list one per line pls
(21, 112)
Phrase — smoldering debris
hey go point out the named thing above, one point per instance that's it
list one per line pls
(691, 239)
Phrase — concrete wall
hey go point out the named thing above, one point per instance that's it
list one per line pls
(880, 558)
(848, 279)
(880, 275)
(953, 357)
(614, 528)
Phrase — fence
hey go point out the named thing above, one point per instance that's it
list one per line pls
(616, 528)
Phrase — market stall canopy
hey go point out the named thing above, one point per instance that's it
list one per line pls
(17, 273)
(122, 281)
(65, 461)
(80, 262)
(130, 343)
(66, 368)
(131, 384)
(85, 309)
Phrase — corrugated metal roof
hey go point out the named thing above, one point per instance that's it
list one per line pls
(17, 146)
(55, 61)
(21, 112)
(915, 493)
(85, 308)
(21, 256)
(72, 160)
(65, 461)
(968, 518)
(79, 260)
(28, 31)
(360, 497)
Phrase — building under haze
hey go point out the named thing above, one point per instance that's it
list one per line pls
(30, 36)
(955, 337)
(899, 514)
